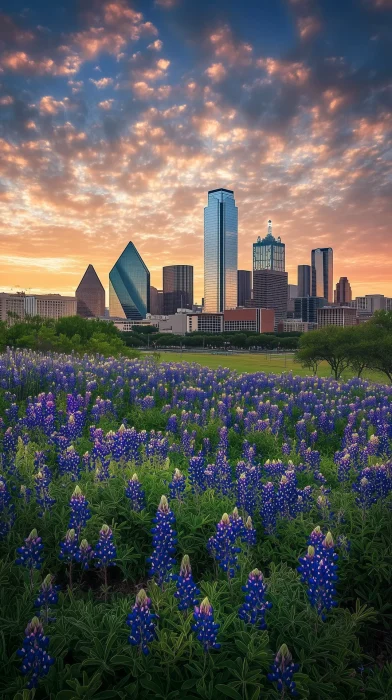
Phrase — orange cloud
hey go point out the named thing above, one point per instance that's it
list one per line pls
(216, 72)
(48, 105)
(102, 83)
(106, 104)
(308, 26)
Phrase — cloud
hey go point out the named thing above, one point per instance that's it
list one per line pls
(102, 83)
(48, 105)
(216, 72)
(106, 104)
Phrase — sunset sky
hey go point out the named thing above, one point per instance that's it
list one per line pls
(117, 117)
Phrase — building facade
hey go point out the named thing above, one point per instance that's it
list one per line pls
(269, 252)
(220, 251)
(90, 295)
(205, 323)
(304, 280)
(129, 286)
(342, 295)
(14, 307)
(305, 308)
(270, 291)
(244, 281)
(322, 273)
(156, 301)
(336, 316)
(177, 288)
(293, 324)
(258, 320)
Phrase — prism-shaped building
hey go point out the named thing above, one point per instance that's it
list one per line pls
(90, 295)
(129, 286)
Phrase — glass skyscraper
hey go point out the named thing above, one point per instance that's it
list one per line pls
(90, 295)
(220, 251)
(322, 273)
(177, 288)
(244, 286)
(129, 286)
(269, 252)
(304, 280)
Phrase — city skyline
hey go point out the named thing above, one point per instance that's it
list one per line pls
(115, 119)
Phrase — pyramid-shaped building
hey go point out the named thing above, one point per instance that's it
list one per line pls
(90, 295)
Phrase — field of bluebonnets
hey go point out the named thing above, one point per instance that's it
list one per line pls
(172, 531)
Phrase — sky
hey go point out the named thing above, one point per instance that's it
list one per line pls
(117, 117)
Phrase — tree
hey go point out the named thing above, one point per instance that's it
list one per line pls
(330, 344)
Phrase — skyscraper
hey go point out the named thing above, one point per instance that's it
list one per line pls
(303, 280)
(305, 308)
(220, 251)
(177, 288)
(244, 280)
(343, 295)
(270, 291)
(269, 252)
(156, 307)
(129, 286)
(90, 295)
(322, 273)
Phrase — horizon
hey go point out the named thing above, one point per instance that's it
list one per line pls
(118, 117)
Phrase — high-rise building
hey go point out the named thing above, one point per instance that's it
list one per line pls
(220, 251)
(129, 286)
(177, 288)
(304, 280)
(342, 295)
(244, 280)
(270, 291)
(336, 316)
(305, 308)
(292, 293)
(269, 252)
(154, 302)
(90, 295)
(322, 273)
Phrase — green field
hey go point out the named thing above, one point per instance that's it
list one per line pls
(274, 363)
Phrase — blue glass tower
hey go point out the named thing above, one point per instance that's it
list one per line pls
(220, 251)
(129, 286)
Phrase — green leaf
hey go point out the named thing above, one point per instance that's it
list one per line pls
(190, 683)
(228, 691)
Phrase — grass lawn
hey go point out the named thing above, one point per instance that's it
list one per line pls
(273, 363)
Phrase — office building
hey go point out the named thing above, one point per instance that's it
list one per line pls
(270, 291)
(321, 283)
(292, 293)
(90, 295)
(177, 288)
(336, 316)
(371, 303)
(269, 252)
(220, 251)
(129, 286)
(304, 280)
(258, 320)
(15, 307)
(342, 295)
(205, 323)
(289, 325)
(244, 282)
(156, 301)
(305, 308)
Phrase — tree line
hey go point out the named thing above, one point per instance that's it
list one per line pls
(366, 346)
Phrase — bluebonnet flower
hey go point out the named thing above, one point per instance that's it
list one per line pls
(318, 571)
(254, 608)
(164, 541)
(7, 509)
(141, 622)
(246, 493)
(36, 661)
(204, 625)
(177, 485)
(69, 463)
(30, 554)
(135, 494)
(79, 511)
(48, 595)
(249, 532)
(282, 671)
(42, 483)
(196, 473)
(105, 551)
(68, 551)
(237, 523)
(268, 510)
(84, 554)
(186, 588)
(223, 545)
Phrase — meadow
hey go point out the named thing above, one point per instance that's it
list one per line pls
(176, 530)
